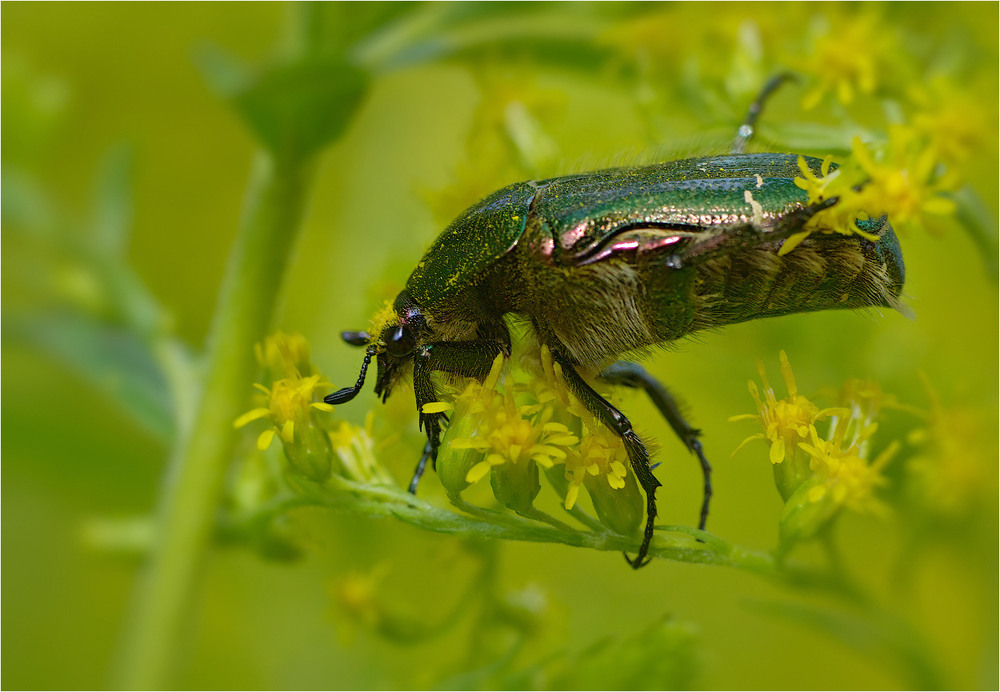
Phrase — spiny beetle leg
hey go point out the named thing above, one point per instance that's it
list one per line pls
(616, 421)
(468, 358)
(430, 423)
(421, 465)
(746, 131)
(633, 375)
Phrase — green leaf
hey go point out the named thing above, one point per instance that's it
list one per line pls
(979, 223)
(116, 362)
(293, 108)
(296, 110)
(113, 212)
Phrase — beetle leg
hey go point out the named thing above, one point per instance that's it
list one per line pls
(421, 465)
(635, 376)
(468, 358)
(746, 130)
(430, 423)
(616, 421)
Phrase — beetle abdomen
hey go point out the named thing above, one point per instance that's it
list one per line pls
(824, 272)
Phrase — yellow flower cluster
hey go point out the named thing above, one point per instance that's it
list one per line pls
(830, 472)
(314, 445)
(902, 183)
(507, 432)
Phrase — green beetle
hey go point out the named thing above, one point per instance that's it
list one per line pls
(610, 262)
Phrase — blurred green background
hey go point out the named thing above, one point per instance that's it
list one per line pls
(124, 176)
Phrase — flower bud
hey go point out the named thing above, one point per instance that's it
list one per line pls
(620, 509)
(515, 485)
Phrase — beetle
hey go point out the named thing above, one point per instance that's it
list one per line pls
(614, 261)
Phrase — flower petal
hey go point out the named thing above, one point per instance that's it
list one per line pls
(249, 416)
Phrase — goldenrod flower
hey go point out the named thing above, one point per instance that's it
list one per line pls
(904, 186)
(355, 449)
(284, 355)
(786, 422)
(507, 434)
(600, 463)
(850, 58)
(600, 454)
(840, 218)
(954, 472)
(818, 476)
(843, 477)
(290, 402)
(955, 123)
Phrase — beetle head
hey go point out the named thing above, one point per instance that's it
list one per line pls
(392, 349)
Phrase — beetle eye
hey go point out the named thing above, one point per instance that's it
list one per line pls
(398, 341)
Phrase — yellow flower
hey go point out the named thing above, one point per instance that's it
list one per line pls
(843, 477)
(507, 434)
(284, 355)
(954, 472)
(848, 59)
(953, 121)
(600, 454)
(289, 403)
(841, 217)
(905, 186)
(903, 183)
(786, 422)
(355, 448)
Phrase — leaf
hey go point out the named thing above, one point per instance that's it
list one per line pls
(293, 108)
(979, 223)
(113, 202)
(115, 361)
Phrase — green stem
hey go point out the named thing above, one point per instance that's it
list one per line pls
(274, 207)
(391, 501)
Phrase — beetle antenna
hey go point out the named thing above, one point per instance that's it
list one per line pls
(342, 396)
(356, 338)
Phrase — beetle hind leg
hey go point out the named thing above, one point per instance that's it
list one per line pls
(633, 375)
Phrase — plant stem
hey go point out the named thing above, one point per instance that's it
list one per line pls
(387, 500)
(274, 207)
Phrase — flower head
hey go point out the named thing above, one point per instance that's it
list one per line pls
(955, 123)
(904, 184)
(355, 449)
(786, 421)
(290, 404)
(284, 355)
(843, 477)
(817, 476)
(601, 454)
(848, 59)
(509, 434)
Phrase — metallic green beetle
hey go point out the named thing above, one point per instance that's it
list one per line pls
(610, 262)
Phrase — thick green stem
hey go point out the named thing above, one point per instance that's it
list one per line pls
(274, 207)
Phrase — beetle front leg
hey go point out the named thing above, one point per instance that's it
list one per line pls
(635, 376)
(430, 423)
(468, 358)
(638, 457)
